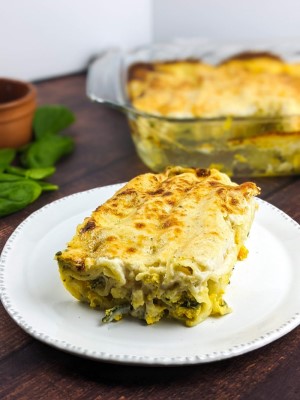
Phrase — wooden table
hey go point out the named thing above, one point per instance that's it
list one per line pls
(32, 370)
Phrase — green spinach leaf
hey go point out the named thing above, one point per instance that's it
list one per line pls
(21, 186)
(47, 151)
(32, 173)
(47, 186)
(51, 119)
(4, 177)
(15, 195)
(6, 157)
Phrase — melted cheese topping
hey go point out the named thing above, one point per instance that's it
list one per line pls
(164, 244)
(257, 86)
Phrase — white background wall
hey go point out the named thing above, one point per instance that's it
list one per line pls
(42, 38)
(237, 20)
(46, 38)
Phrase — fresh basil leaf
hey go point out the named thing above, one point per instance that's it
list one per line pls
(47, 151)
(6, 157)
(15, 195)
(51, 119)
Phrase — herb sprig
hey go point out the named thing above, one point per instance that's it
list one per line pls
(23, 183)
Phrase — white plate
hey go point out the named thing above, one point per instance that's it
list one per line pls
(264, 293)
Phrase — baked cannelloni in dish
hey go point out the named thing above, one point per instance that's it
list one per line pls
(246, 85)
(164, 245)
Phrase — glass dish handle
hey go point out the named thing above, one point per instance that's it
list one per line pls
(105, 80)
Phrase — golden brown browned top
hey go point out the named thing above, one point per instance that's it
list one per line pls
(242, 86)
(184, 215)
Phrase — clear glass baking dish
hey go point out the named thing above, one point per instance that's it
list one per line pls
(239, 146)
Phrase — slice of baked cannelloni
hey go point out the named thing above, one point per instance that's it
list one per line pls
(163, 246)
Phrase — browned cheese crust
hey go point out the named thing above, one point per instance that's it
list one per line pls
(170, 233)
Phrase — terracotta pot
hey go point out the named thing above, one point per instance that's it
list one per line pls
(17, 106)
